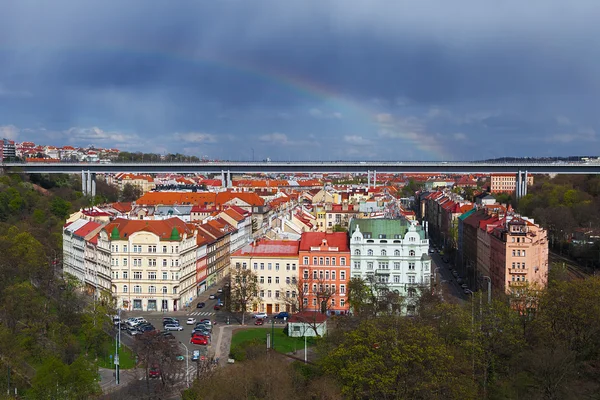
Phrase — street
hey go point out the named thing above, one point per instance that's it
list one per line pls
(450, 289)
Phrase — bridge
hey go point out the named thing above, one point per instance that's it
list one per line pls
(226, 168)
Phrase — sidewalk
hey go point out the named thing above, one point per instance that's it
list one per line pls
(107, 378)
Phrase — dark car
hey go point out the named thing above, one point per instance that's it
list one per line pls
(282, 315)
(167, 335)
(145, 328)
(217, 307)
(170, 320)
(200, 305)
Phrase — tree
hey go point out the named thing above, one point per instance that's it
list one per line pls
(60, 207)
(243, 289)
(130, 192)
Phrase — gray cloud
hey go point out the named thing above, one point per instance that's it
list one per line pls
(419, 79)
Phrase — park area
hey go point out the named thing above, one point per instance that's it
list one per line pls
(257, 337)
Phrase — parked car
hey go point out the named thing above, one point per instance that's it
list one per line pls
(260, 315)
(173, 327)
(154, 372)
(259, 321)
(200, 305)
(199, 339)
(200, 329)
(190, 321)
(195, 355)
(282, 315)
(170, 320)
(145, 328)
(212, 296)
(220, 290)
(217, 307)
(167, 335)
(205, 321)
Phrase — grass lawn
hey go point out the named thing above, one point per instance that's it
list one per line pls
(126, 356)
(282, 342)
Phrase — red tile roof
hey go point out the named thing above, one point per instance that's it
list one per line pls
(334, 239)
(162, 228)
(87, 229)
(270, 248)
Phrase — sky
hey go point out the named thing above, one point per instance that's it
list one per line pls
(304, 80)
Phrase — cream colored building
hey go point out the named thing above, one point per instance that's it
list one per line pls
(152, 262)
(275, 263)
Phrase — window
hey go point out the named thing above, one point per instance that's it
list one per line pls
(332, 260)
(342, 302)
(333, 289)
(276, 279)
(268, 293)
(315, 275)
(314, 260)
(164, 262)
(305, 274)
(277, 294)
(152, 275)
(357, 252)
(287, 280)
(383, 252)
(523, 265)
(321, 275)
(293, 294)
(276, 307)
(369, 252)
(342, 261)
(152, 262)
(523, 253)
(396, 252)
(342, 289)
(356, 264)
(137, 289)
(151, 289)
(124, 262)
(396, 278)
(369, 265)
(514, 253)
(287, 267)
(332, 302)
(320, 260)
(262, 279)
(314, 288)
(513, 265)
(326, 260)
(269, 280)
(287, 293)
(384, 265)
(269, 266)
(305, 261)
(411, 266)
(262, 266)
(125, 289)
(262, 293)
(174, 290)
(276, 266)
(244, 266)
(333, 275)
(237, 265)
(164, 249)
(137, 274)
(305, 288)
(125, 275)
(396, 265)
(255, 266)
(293, 266)
(314, 302)
(343, 275)
(164, 290)
(165, 276)
(411, 279)
(151, 249)
(125, 248)
(305, 302)
(411, 253)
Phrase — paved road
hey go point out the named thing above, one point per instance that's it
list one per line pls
(451, 290)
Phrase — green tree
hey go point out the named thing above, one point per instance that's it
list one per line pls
(59, 207)
(243, 290)
(130, 192)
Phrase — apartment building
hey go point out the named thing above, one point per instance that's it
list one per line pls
(390, 251)
(518, 255)
(275, 263)
(79, 256)
(148, 259)
(506, 183)
(324, 260)
(218, 250)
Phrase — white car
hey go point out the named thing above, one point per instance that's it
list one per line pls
(173, 327)
(190, 321)
(260, 315)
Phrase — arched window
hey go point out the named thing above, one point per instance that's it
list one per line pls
(383, 252)
(125, 289)
(357, 252)
(370, 252)
(396, 252)
(411, 253)
(164, 290)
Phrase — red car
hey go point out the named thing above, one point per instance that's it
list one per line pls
(199, 339)
(154, 372)
(259, 321)
(217, 307)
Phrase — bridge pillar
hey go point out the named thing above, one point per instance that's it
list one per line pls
(368, 179)
(93, 177)
(88, 182)
(229, 182)
(223, 183)
(83, 183)
(521, 184)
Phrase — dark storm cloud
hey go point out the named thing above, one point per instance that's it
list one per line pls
(465, 72)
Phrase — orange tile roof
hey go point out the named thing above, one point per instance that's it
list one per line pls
(162, 228)
(270, 248)
(172, 198)
(314, 239)
(234, 215)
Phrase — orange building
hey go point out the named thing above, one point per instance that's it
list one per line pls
(324, 260)
(506, 183)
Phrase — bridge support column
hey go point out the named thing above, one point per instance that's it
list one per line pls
(88, 183)
(521, 184)
(229, 181)
(83, 183)
(93, 177)
(368, 179)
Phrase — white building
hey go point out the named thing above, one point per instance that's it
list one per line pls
(393, 251)
(153, 262)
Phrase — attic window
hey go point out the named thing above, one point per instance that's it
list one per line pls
(382, 236)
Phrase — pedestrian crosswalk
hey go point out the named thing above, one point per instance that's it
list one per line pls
(179, 376)
(206, 313)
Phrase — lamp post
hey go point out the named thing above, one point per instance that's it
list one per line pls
(489, 282)
(187, 364)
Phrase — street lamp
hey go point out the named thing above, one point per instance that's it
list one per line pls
(489, 281)
(187, 364)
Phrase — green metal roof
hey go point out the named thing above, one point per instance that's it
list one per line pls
(466, 215)
(383, 226)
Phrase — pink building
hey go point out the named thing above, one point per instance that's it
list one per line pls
(518, 255)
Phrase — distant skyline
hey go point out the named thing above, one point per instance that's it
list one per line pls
(301, 80)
